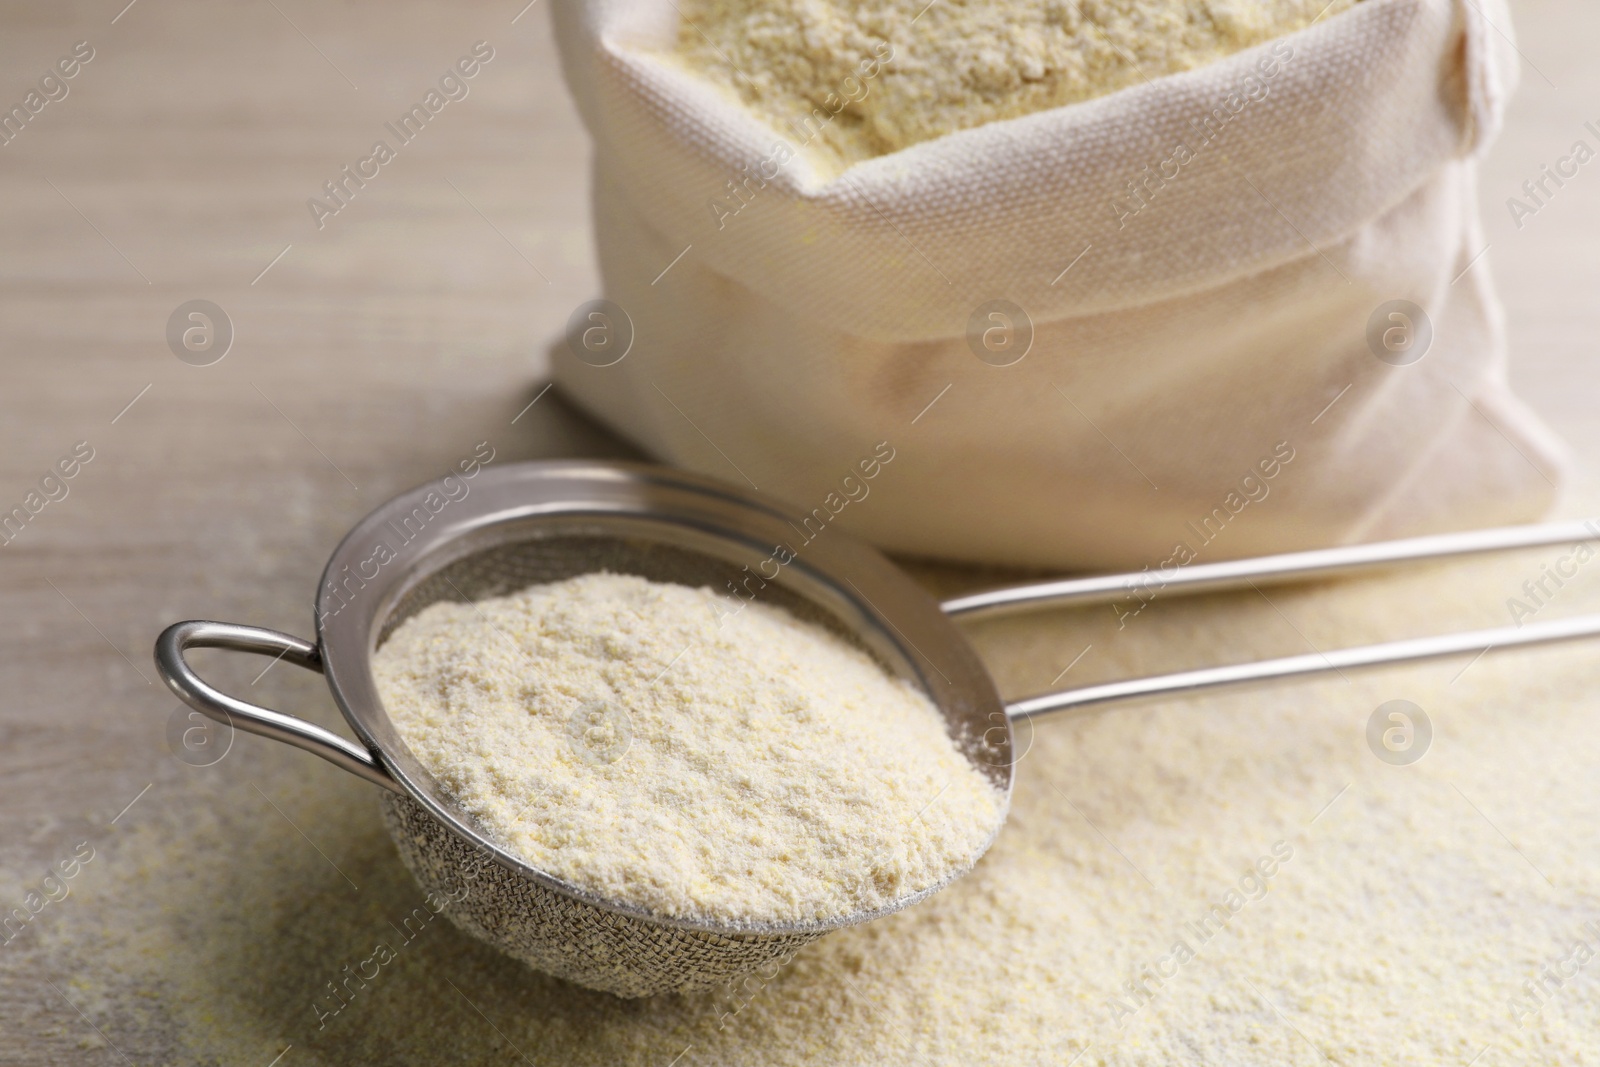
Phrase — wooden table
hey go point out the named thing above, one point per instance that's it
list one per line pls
(371, 352)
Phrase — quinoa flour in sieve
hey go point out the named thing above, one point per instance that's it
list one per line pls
(639, 740)
(856, 80)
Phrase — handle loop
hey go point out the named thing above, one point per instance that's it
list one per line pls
(215, 704)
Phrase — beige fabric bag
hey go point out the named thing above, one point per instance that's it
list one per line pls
(1205, 266)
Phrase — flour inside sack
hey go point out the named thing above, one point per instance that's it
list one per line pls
(634, 739)
(856, 80)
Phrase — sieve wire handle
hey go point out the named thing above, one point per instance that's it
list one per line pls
(1089, 697)
(1140, 586)
(190, 688)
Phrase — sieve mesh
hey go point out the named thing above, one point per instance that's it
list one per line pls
(560, 935)
(548, 929)
(538, 522)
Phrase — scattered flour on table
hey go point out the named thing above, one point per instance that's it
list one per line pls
(1417, 904)
(620, 734)
(879, 76)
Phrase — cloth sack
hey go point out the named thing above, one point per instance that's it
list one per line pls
(1229, 311)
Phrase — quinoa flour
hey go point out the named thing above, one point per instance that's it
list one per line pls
(637, 739)
(1400, 929)
(952, 64)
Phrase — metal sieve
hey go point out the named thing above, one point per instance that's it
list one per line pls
(520, 524)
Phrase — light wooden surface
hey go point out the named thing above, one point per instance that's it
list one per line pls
(376, 350)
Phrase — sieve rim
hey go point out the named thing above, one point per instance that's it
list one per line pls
(501, 500)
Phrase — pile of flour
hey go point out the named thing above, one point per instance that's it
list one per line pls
(908, 70)
(634, 738)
